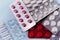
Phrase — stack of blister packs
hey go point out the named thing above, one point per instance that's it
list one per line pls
(32, 20)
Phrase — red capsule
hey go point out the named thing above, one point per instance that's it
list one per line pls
(31, 34)
(47, 34)
(39, 35)
(39, 27)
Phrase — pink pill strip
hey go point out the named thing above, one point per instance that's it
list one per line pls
(22, 15)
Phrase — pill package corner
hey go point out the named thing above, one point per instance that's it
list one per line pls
(22, 15)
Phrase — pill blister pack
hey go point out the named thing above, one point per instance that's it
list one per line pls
(22, 15)
(39, 31)
(40, 8)
(15, 30)
(52, 22)
(4, 32)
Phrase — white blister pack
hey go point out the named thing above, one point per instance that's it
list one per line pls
(22, 15)
(52, 22)
(40, 8)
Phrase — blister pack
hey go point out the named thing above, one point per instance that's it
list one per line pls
(39, 31)
(14, 30)
(40, 8)
(52, 21)
(4, 32)
(22, 15)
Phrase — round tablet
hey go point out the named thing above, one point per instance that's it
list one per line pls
(31, 34)
(54, 29)
(41, 7)
(36, 10)
(53, 23)
(46, 3)
(46, 22)
(39, 27)
(47, 34)
(51, 17)
(51, 0)
(39, 34)
(29, 5)
(58, 23)
(56, 13)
